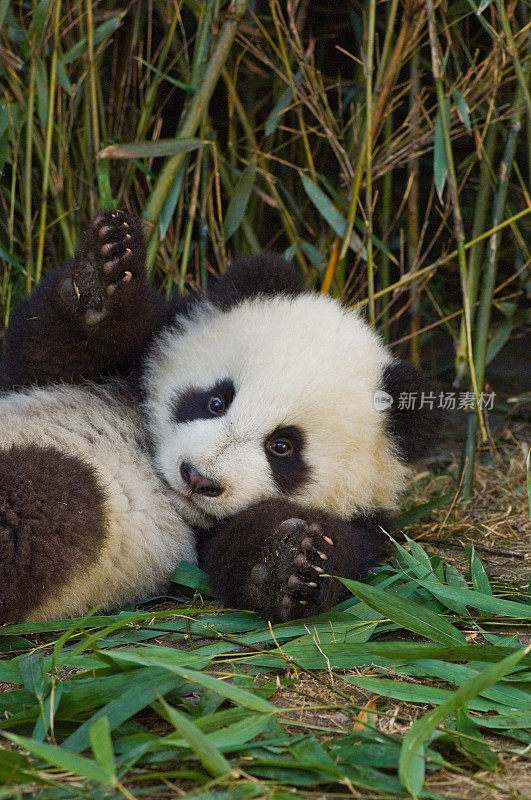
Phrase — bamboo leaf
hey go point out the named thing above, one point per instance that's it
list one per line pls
(415, 692)
(413, 514)
(41, 82)
(101, 744)
(440, 167)
(480, 579)
(500, 338)
(483, 602)
(140, 692)
(473, 743)
(462, 109)
(417, 736)
(187, 574)
(280, 107)
(239, 200)
(484, 4)
(59, 757)
(155, 149)
(406, 613)
(213, 761)
(161, 656)
(170, 204)
(330, 213)
(100, 32)
(33, 674)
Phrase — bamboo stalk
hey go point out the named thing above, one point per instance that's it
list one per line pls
(385, 263)
(487, 289)
(368, 167)
(474, 262)
(147, 105)
(28, 227)
(48, 144)
(287, 223)
(513, 52)
(413, 212)
(405, 279)
(192, 119)
(386, 86)
(459, 232)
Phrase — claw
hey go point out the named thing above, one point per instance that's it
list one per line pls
(322, 555)
(128, 252)
(328, 540)
(318, 569)
(127, 276)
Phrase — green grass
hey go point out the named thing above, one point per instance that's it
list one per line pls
(132, 703)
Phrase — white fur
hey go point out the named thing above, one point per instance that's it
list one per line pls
(300, 361)
(146, 536)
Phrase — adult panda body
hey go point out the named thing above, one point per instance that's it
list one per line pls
(243, 423)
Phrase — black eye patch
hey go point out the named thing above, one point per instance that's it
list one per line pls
(194, 404)
(289, 471)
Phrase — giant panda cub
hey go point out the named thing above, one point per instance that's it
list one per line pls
(239, 429)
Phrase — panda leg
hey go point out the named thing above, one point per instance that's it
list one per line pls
(90, 319)
(52, 525)
(274, 558)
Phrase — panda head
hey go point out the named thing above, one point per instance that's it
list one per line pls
(264, 391)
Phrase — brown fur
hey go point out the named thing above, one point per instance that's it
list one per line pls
(51, 525)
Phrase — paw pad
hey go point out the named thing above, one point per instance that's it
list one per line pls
(294, 571)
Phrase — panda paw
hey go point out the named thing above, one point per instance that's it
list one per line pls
(105, 268)
(298, 569)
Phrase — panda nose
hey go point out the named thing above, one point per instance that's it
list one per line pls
(199, 484)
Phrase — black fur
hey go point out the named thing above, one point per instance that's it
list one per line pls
(51, 525)
(265, 557)
(266, 274)
(193, 404)
(415, 429)
(289, 472)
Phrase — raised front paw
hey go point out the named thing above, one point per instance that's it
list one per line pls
(106, 267)
(292, 576)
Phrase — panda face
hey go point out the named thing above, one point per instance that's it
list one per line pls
(273, 397)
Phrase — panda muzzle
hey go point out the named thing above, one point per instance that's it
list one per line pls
(198, 483)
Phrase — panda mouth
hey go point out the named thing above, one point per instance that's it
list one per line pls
(189, 503)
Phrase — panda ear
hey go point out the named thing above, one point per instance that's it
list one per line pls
(414, 417)
(266, 274)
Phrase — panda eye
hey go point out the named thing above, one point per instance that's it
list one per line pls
(216, 405)
(280, 447)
